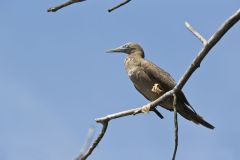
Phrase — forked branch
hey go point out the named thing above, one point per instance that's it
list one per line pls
(88, 142)
(95, 143)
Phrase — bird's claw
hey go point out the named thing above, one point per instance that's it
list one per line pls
(146, 108)
(156, 88)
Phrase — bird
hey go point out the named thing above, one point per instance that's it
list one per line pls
(152, 82)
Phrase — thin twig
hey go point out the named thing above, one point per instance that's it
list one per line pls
(56, 8)
(96, 142)
(175, 126)
(87, 143)
(119, 5)
(197, 34)
(196, 63)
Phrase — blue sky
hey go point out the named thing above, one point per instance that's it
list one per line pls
(56, 79)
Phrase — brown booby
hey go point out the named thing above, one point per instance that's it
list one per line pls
(152, 82)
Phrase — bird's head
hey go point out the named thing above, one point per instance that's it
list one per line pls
(129, 48)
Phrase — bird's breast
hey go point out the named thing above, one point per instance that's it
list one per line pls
(140, 78)
(132, 67)
(142, 81)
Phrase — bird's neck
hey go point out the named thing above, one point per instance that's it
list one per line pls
(136, 54)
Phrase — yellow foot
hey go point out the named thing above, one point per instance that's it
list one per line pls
(156, 88)
(146, 108)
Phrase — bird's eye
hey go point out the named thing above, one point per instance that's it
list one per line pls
(125, 46)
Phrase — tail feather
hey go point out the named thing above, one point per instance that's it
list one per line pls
(191, 115)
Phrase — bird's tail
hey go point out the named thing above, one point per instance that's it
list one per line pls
(187, 113)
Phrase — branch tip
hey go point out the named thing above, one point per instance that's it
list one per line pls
(84, 156)
(56, 8)
(119, 5)
(198, 35)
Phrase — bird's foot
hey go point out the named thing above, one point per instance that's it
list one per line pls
(146, 108)
(156, 88)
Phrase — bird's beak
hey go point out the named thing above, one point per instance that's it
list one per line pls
(119, 49)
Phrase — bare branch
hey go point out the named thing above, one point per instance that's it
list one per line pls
(87, 143)
(56, 8)
(175, 126)
(119, 5)
(210, 43)
(117, 115)
(96, 142)
(195, 64)
(198, 35)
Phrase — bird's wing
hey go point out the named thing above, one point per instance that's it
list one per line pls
(164, 79)
(140, 91)
(159, 75)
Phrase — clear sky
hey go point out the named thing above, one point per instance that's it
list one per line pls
(56, 79)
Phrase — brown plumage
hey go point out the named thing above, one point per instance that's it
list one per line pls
(152, 82)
